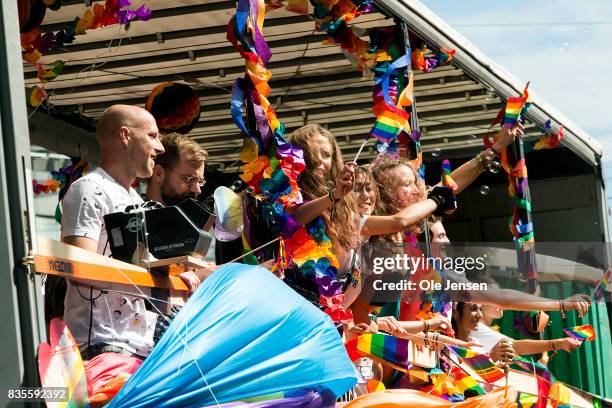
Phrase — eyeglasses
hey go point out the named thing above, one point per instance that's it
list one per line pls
(200, 181)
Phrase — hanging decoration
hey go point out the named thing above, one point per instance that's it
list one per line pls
(35, 45)
(271, 167)
(175, 107)
(551, 138)
(47, 186)
(35, 96)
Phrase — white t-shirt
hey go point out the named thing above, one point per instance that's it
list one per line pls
(486, 336)
(117, 319)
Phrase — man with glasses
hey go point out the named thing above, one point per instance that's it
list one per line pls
(179, 172)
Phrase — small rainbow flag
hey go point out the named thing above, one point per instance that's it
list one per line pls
(514, 108)
(390, 349)
(447, 180)
(480, 363)
(465, 383)
(582, 333)
(602, 286)
(531, 367)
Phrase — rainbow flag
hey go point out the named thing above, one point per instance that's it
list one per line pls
(582, 333)
(514, 108)
(526, 400)
(392, 350)
(532, 367)
(480, 363)
(602, 286)
(447, 180)
(465, 383)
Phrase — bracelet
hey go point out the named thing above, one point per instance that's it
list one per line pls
(426, 326)
(483, 161)
(495, 151)
(562, 309)
(552, 345)
(332, 211)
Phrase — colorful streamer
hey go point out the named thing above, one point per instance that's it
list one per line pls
(582, 333)
(551, 138)
(480, 363)
(271, 168)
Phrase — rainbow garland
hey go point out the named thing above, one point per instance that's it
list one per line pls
(392, 121)
(272, 165)
(480, 363)
(582, 333)
(551, 138)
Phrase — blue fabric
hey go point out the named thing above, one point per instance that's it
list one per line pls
(251, 335)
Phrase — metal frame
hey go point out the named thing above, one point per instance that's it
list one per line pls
(22, 323)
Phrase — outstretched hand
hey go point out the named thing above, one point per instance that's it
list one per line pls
(579, 303)
(506, 136)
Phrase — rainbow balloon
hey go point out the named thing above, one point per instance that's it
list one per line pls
(582, 333)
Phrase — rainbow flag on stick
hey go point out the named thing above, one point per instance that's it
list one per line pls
(388, 349)
(533, 367)
(582, 333)
(514, 108)
(480, 363)
(447, 180)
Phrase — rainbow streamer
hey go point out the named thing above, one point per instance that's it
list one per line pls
(480, 363)
(551, 138)
(390, 349)
(582, 333)
(447, 180)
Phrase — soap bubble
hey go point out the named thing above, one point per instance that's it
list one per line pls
(484, 189)
(495, 167)
(436, 152)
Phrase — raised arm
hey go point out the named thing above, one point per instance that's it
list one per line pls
(469, 171)
(307, 212)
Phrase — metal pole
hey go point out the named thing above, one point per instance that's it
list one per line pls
(22, 320)
(414, 118)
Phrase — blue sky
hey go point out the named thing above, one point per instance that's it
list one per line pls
(564, 48)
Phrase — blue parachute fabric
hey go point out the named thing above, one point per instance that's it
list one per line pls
(243, 334)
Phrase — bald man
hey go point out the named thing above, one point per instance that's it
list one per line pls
(108, 321)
